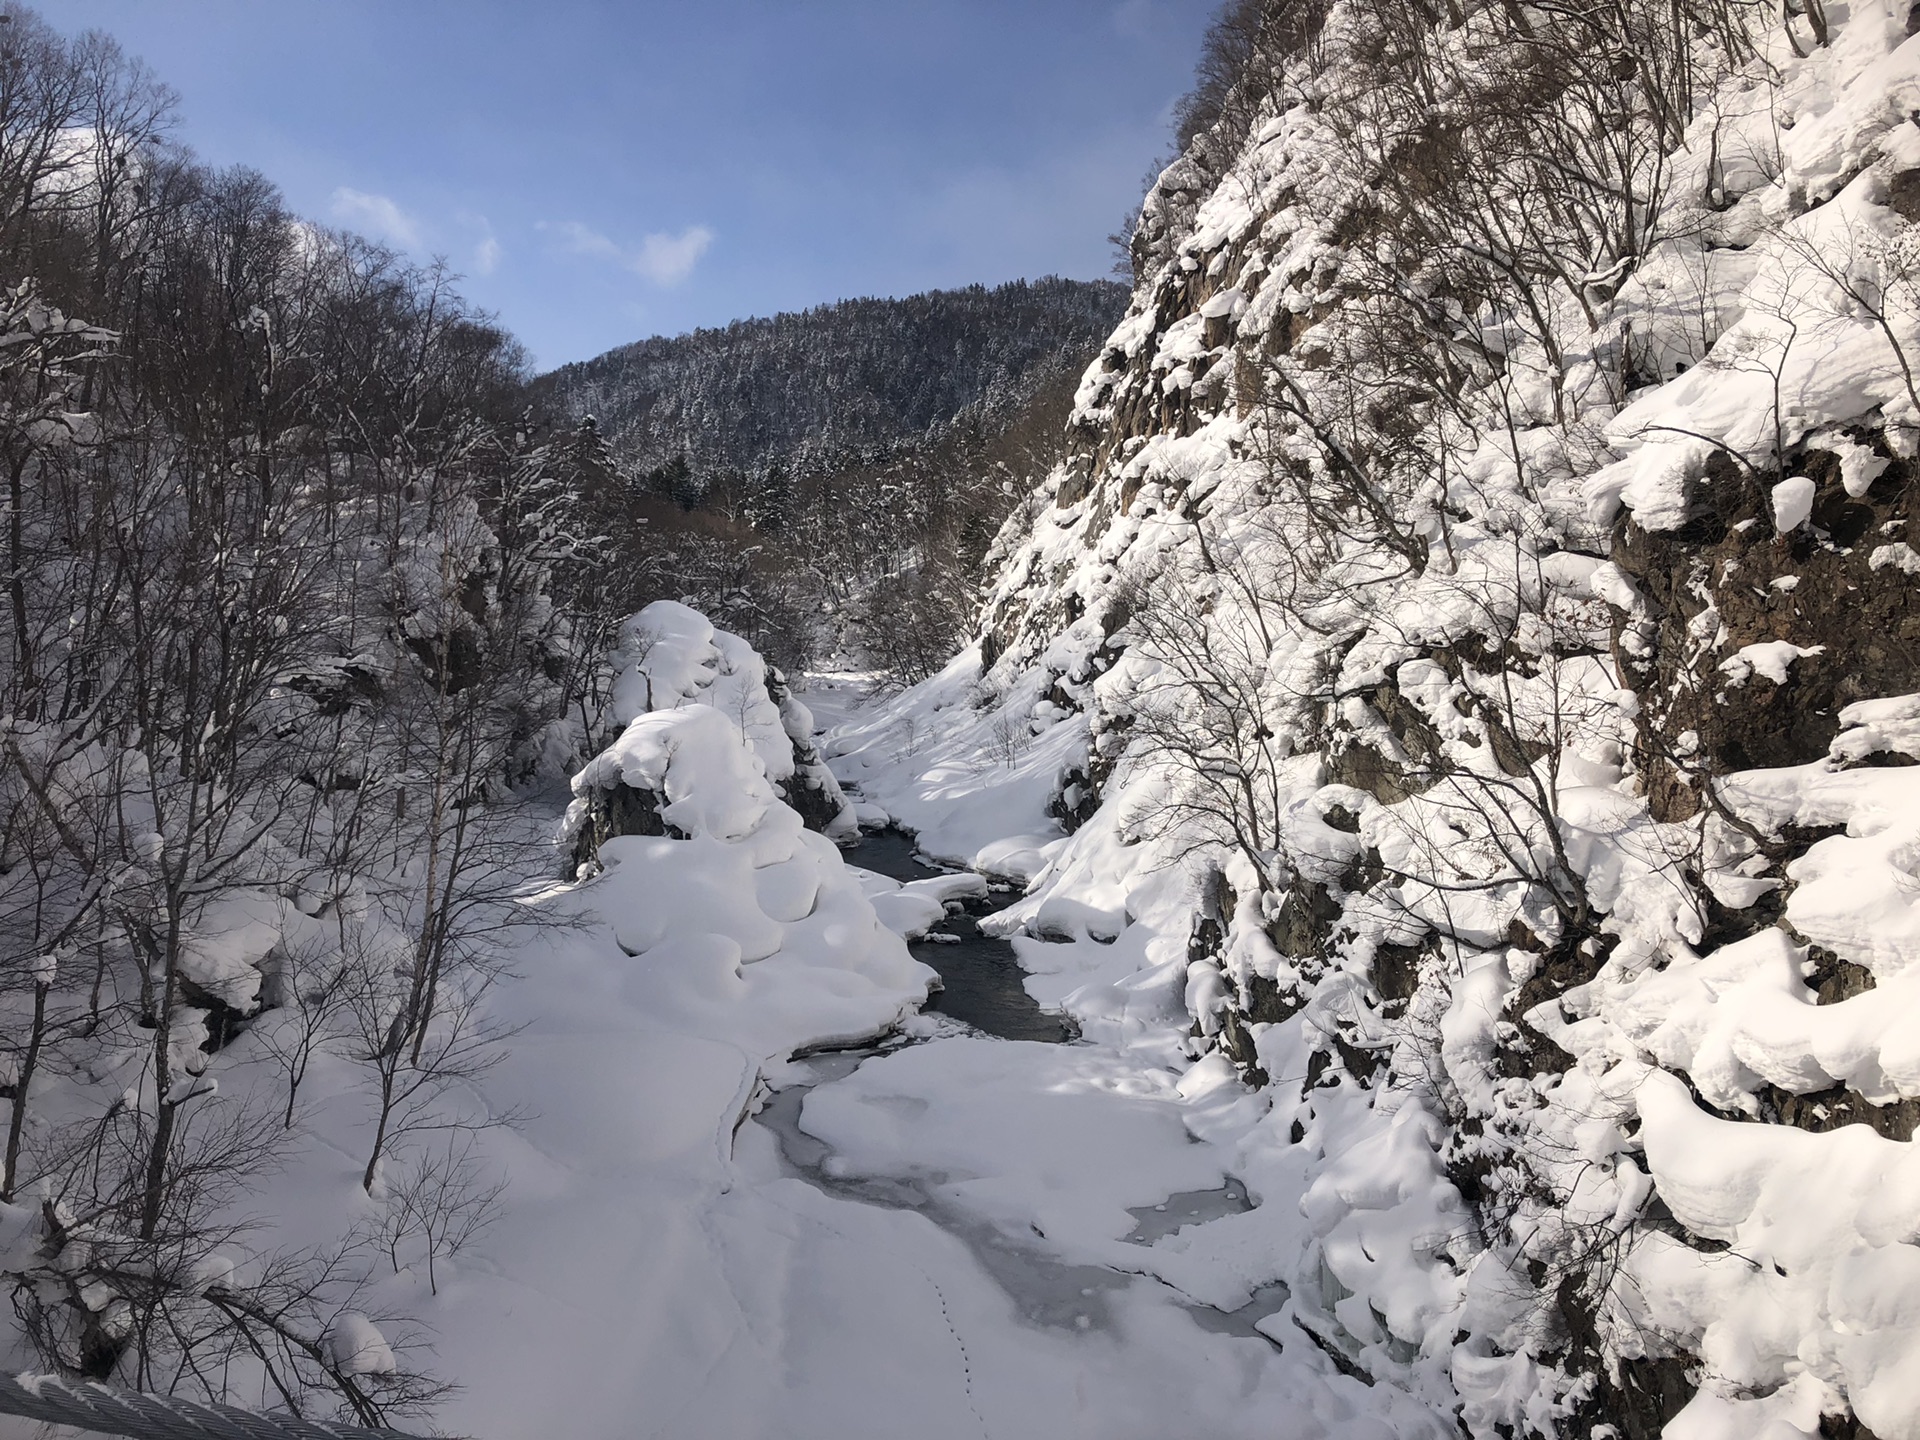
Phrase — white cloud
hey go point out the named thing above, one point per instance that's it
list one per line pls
(378, 215)
(666, 260)
(669, 259)
(487, 250)
(578, 239)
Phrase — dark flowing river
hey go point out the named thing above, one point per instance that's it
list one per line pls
(984, 984)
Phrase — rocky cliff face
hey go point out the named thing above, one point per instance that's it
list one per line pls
(1476, 634)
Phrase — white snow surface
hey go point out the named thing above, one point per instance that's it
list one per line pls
(913, 908)
(713, 783)
(683, 1278)
(661, 1271)
(670, 655)
(972, 786)
(656, 1268)
(1791, 1284)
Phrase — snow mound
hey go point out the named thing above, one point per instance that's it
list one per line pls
(355, 1346)
(670, 655)
(912, 909)
(712, 782)
(747, 924)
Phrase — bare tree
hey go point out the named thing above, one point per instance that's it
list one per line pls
(439, 1203)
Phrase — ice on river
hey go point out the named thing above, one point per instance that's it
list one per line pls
(664, 1270)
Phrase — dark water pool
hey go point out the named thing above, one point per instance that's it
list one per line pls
(984, 984)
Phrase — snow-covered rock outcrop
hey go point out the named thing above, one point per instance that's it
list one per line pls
(670, 658)
(706, 875)
(1460, 665)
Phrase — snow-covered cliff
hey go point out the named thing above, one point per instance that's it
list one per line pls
(1470, 654)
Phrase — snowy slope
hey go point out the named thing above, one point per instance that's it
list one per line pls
(1384, 722)
(962, 1263)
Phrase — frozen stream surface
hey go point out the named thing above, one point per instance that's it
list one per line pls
(985, 992)
(993, 1223)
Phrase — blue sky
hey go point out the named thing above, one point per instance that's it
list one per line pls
(605, 171)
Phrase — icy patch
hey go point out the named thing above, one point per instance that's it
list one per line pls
(1189, 1207)
(1898, 556)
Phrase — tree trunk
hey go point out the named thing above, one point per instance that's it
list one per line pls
(16, 1122)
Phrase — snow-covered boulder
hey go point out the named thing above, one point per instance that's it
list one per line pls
(670, 655)
(705, 780)
(750, 924)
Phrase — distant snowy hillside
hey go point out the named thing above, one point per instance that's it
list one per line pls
(1462, 680)
(837, 382)
(830, 480)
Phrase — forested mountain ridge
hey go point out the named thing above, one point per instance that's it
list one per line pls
(838, 381)
(828, 481)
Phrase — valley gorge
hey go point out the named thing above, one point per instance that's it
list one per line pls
(1327, 847)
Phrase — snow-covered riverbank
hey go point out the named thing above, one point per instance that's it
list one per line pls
(666, 1269)
(952, 1235)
